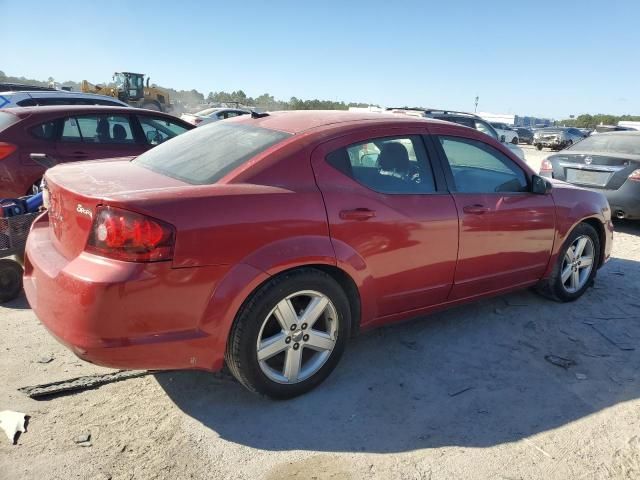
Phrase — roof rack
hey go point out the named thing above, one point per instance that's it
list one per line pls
(16, 87)
(431, 111)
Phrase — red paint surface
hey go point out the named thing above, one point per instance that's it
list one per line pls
(415, 254)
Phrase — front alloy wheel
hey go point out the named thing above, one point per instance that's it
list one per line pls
(577, 264)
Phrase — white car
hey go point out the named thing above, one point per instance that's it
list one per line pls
(505, 133)
(212, 115)
(28, 98)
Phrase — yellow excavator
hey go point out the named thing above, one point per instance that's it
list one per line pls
(130, 88)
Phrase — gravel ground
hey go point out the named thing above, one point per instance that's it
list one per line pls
(466, 393)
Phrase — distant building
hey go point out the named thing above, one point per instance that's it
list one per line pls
(516, 120)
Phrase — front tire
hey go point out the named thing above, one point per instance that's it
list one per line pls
(514, 140)
(576, 266)
(289, 335)
(539, 147)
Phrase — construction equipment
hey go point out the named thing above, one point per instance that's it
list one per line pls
(130, 88)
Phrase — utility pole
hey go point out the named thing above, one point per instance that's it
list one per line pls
(475, 110)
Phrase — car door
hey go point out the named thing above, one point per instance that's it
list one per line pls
(506, 232)
(391, 215)
(156, 129)
(96, 136)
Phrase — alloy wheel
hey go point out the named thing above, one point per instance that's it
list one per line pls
(297, 337)
(577, 264)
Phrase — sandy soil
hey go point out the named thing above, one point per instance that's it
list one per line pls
(463, 394)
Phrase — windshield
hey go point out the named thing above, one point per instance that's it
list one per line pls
(206, 154)
(628, 144)
(7, 119)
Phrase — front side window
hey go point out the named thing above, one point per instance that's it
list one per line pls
(70, 131)
(392, 165)
(479, 168)
(204, 155)
(159, 129)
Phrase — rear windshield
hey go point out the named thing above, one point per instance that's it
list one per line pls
(206, 154)
(7, 119)
(629, 144)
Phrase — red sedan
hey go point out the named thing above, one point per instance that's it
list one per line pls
(267, 241)
(70, 133)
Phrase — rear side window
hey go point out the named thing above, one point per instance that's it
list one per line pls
(7, 119)
(206, 154)
(45, 131)
(393, 165)
(98, 129)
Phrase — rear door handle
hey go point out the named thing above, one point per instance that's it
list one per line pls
(80, 155)
(357, 214)
(475, 209)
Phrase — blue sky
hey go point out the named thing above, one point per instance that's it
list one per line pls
(546, 58)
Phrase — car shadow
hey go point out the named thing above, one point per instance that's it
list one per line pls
(631, 227)
(483, 374)
(18, 303)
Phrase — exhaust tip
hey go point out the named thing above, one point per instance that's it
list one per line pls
(619, 214)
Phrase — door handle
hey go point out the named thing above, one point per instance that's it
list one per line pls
(357, 214)
(80, 154)
(475, 209)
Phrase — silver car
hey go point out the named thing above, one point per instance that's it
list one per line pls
(212, 115)
(28, 98)
(557, 138)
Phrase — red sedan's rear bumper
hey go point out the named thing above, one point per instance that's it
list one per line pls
(122, 314)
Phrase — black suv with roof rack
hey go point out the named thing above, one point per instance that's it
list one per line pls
(463, 118)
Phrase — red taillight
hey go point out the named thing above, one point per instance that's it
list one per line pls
(6, 149)
(130, 236)
(635, 175)
(546, 166)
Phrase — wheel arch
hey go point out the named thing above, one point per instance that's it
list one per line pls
(346, 282)
(598, 226)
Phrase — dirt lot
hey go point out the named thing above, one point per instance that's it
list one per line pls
(462, 394)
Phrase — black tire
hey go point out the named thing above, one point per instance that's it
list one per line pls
(241, 356)
(10, 279)
(514, 140)
(539, 147)
(553, 287)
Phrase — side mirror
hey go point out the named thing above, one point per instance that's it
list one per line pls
(540, 186)
(502, 138)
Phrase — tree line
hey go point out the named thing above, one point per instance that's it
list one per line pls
(194, 97)
(268, 102)
(591, 121)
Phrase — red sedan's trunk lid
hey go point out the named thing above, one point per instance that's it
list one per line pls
(73, 192)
